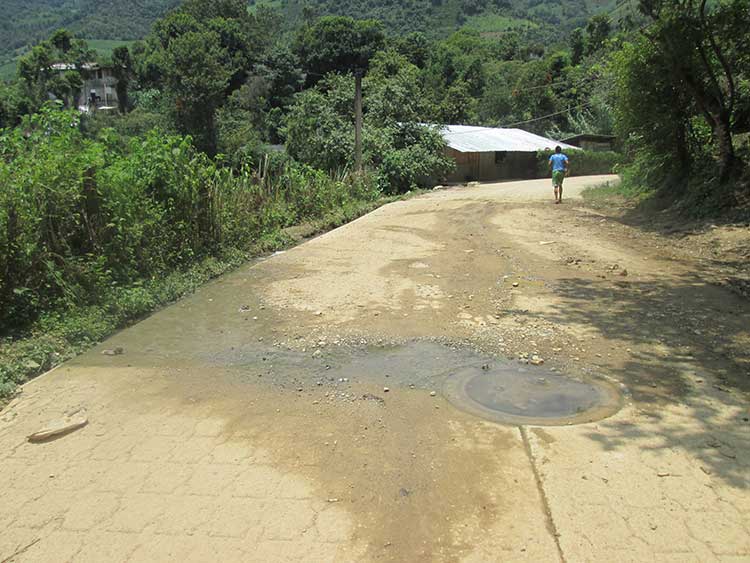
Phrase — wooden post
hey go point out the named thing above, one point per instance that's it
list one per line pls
(358, 120)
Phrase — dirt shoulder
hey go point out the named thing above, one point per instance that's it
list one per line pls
(718, 247)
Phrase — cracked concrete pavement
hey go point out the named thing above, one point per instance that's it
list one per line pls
(251, 421)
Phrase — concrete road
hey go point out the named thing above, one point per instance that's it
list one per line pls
(300, 409)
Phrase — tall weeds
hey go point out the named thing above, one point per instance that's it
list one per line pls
(81, 218)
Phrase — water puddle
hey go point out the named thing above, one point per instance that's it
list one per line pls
(512, 394)
(498, 390)
(483, 385)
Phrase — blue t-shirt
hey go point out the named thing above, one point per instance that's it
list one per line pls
(558, 161)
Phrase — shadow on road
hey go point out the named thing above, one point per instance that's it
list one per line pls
(689, 367)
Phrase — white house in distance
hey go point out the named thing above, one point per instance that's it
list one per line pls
(99, 86)
(489, 153)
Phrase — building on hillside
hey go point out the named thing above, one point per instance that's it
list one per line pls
(592, 142)
(99, 86)
(488, 153)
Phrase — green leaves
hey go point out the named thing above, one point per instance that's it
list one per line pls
(338, 44)
(402, 153)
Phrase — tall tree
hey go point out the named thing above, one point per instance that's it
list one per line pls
(338, 44)
(699, 46)
(598, 29)
(196, 79)
(122, 68)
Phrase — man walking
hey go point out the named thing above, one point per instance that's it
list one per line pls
(558, 162)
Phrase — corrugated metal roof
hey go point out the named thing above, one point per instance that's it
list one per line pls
(468, 138)
(72, 66)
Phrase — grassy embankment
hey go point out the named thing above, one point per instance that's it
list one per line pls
(96, 233)
(62, 335)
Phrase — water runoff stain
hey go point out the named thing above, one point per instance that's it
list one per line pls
(497, 390)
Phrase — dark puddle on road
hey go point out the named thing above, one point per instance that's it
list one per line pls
(498, 390)
(516, 395)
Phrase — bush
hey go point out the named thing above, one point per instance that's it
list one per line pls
(402, 153)
(81, 218)
(582, 163)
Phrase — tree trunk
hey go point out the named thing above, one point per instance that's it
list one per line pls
(723, 136)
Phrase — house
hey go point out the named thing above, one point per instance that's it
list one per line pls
(592, 142)
(99, 86)
(489, 153)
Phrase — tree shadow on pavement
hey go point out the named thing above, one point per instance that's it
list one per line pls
(689, 369)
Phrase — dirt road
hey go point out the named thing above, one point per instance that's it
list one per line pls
(298, 409)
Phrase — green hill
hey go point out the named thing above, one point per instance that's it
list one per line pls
(441, 17)
(28, 21)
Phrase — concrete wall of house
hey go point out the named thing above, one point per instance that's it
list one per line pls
(592, 144)
(488, 166)
(104, 84)
(596, 145)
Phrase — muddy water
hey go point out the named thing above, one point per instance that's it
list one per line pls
(482, 385)
(511, 394)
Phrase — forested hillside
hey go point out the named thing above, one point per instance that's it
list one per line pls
(547, 18)
(25, 22)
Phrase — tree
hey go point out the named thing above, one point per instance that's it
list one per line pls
(577, 46)
(197, 76)
(281, 69)
(338, 44)
(122, 69)
(415, 47)
(653, 122)
(598, 29)
(62, 39)
(393, 90)
(458, 105)
(699, 47)
(12, 104)
(320, 124)
(201, 53)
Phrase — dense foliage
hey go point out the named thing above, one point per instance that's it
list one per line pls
(79, 217)
(684, 131)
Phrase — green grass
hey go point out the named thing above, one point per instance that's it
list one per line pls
(609, 195)
(105, 46)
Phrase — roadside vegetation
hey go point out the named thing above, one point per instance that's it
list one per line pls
(686, 134)
(97, 233)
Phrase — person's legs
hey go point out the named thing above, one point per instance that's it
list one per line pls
(556, 184)
(559, 181)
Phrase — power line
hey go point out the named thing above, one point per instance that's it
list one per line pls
(581, 106)
(480, 127)
(550, 84)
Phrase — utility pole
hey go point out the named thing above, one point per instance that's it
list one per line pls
(358, 119)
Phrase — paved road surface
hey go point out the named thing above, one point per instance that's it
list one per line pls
(294, 410)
